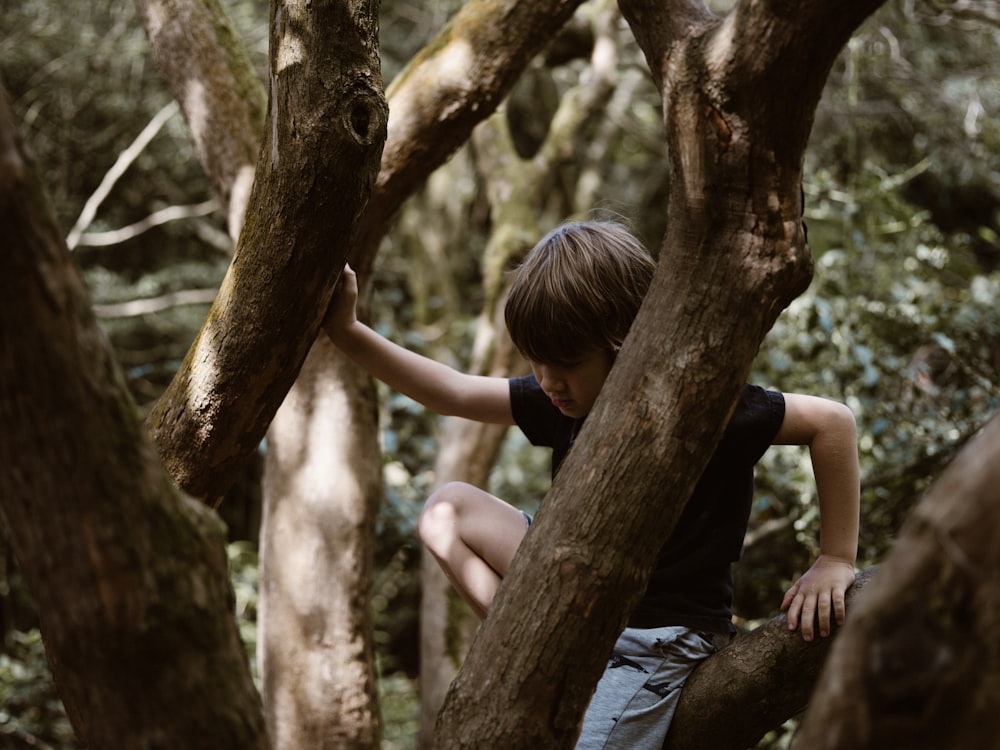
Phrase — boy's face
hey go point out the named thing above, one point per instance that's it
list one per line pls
(573, 388)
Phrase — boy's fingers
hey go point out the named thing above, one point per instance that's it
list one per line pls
(808, 617)
(840, 607)
(824, 616)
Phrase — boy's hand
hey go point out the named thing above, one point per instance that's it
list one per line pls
(342, 312)
(817, 594)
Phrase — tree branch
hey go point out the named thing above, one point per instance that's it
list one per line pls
(435, 102)
(149, 305)
(770, 668)
(121, 165)
(323, 142)
(155, 219)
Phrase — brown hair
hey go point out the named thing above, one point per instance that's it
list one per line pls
(578, 289)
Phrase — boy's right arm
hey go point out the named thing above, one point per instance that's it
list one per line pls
(437, 386)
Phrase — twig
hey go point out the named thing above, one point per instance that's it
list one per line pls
(155, 304)
(125, 159)
(171, 213)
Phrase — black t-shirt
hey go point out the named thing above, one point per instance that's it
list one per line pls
(691, 583)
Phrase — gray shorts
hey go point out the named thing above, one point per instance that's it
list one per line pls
(636, 697)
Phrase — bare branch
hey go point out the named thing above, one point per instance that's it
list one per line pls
(156, 304)
(121, 165)
(155, 219)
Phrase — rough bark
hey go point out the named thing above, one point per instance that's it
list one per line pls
(323, 139)
(516, 189)
(315, 643)
(918, 664)
(210, 76)
(130, 578)
(759, 681)
(733, 257)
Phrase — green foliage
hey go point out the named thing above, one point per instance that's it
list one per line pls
(31, 714)
(244, 570)
(914, 355)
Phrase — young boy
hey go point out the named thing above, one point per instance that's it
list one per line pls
(569, 309)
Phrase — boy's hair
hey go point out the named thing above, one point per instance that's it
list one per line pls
(578, 289)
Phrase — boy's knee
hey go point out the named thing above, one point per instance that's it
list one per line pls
(441, 511)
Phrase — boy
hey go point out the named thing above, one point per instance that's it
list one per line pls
(570, 306)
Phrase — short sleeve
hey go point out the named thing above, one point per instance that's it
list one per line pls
(533, 411)
(755, 423)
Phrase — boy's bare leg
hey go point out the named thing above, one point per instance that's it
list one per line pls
(473, 535)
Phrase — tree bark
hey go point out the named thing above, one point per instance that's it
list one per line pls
(131, 579)
(323, 139)
(733, 257)
(756, 683)
(917, 665)
(315, 642)
(315, 639)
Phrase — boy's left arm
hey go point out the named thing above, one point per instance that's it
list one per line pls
(829, 429)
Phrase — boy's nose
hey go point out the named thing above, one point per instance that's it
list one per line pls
(549, 380)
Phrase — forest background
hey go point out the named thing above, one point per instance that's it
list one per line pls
(901, 321)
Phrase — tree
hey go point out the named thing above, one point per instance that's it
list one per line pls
(317, 165)
(917, 665)
(733, 256)
(769, 668)
(328, 120)
(130, 576)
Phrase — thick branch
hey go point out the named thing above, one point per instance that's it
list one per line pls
(326, 127)
(769, 668)
(454, 83)
(734, 256)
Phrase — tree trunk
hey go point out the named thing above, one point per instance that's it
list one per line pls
(131, 580)
(918, 664)
(315, 640)
(733, 257)
(323, 140)
(516, 188)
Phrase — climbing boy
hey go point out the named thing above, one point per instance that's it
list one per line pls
(571, 304)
